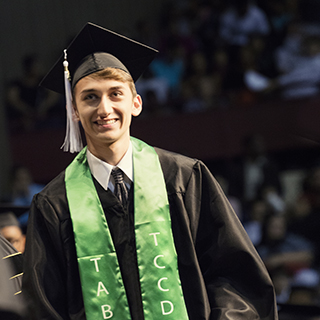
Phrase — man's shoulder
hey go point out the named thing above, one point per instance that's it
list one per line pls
(52, 199)
(54, 187)
(177, 169)
(175, 160)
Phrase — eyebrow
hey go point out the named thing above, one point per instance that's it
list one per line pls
(119, 87)
(86, 91)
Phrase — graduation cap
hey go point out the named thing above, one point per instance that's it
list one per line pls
(120, 52)
(94, 49)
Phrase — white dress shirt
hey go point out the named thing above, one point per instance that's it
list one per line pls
(101, 170)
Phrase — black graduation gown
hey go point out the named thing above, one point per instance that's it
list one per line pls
(222, 276)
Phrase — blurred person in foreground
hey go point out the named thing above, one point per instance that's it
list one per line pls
(11, 230)
(163, 243)
(12, 304)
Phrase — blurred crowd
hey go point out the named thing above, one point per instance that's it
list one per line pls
(284, 229)
(220, 54)
(212, 54)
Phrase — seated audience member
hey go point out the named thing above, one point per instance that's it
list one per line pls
(301, 81)
(27, 105)
(238, 23)
(254, 173)
(170, 67)
(235, 202)
(305, 288)
(23, 188)
(155, 92)
(305, 212)
(242, 20)
(279, 248)
(256, 215)
(201, 86)
(281, 280)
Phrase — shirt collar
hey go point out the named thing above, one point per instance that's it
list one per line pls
(101, 170)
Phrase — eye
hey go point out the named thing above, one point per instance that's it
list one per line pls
(90, 96)
(116, 94)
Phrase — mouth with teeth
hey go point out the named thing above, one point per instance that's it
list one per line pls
(106, 123)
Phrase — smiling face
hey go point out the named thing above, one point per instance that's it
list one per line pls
(105, 107)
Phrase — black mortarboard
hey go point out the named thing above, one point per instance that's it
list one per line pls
(118, 51)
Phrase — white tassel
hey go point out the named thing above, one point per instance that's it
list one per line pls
(72, 140)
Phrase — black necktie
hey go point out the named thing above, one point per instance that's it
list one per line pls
(120, 189)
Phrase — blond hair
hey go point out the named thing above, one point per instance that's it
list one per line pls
(115, 74)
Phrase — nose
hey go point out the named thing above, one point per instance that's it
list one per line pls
(104, 107)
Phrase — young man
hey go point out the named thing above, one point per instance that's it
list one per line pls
(167, 245)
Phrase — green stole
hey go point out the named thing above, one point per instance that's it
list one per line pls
(102, 286)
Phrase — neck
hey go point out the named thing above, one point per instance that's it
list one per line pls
(111, 153)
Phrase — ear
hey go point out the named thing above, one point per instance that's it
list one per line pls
(75, 111)
(136, 106)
